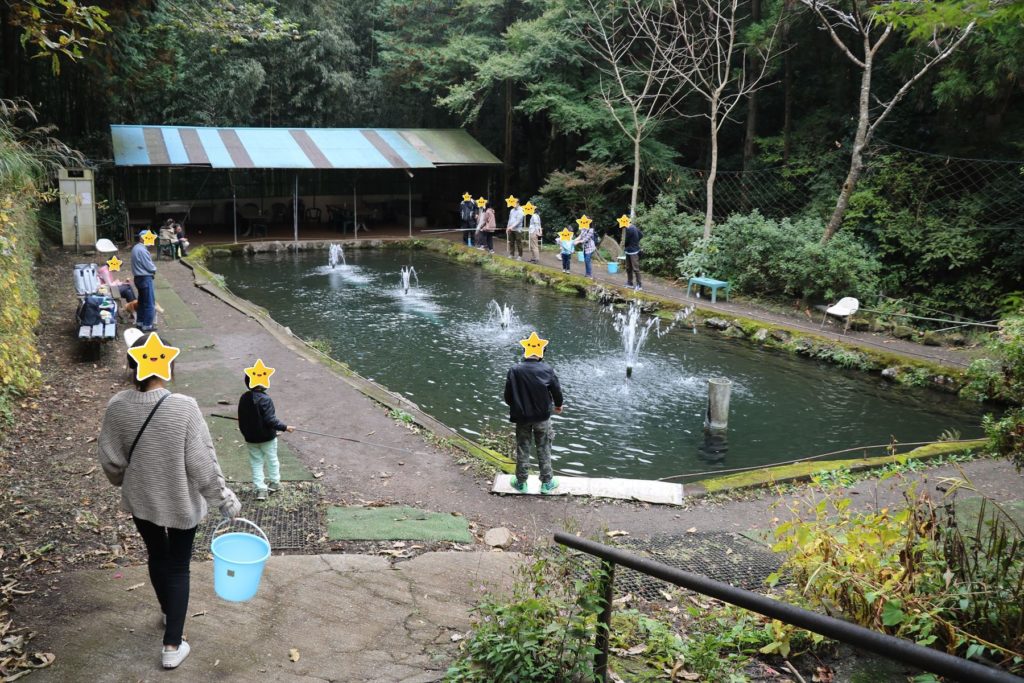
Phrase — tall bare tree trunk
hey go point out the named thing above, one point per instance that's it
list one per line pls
(860, 141)
(636, 177)
(712, 171)
(787, 93)
(751, 132)
(508, 139)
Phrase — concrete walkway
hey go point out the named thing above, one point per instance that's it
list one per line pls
(350, 617)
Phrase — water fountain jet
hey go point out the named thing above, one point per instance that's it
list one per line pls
(634, 332)
(335, 256)
(408, 273)
(504, 315)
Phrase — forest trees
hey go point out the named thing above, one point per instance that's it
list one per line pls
(632, 85)
(860, 29)
(699, 43)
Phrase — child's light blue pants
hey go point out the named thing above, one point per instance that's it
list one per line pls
(260, 452)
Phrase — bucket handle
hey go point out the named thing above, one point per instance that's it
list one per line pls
(216, 529)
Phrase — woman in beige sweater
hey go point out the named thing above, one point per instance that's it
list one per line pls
(156, 446)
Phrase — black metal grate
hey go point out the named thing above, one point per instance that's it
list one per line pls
(293, 522)
(722, 556)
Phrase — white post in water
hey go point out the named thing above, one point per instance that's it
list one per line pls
(719, 390)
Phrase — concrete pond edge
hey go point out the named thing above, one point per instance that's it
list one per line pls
(805, 471)
(771, 336)
(213, 284)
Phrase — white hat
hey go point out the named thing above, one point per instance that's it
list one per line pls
(105, 246)
(132, 335)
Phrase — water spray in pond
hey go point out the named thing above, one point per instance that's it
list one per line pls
(505, 315)
(408, 273)
(634, 332)
(336, 256)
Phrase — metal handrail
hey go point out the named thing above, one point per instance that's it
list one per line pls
(941, 663)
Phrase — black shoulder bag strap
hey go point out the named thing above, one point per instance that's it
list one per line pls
(144, 425)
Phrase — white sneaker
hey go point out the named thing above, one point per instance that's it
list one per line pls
(172, 658)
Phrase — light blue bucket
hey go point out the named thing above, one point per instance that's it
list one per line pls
(613, 267)
(238, 561)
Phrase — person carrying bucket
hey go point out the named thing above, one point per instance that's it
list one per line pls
(259, 426)
(532, 391)
(156, 446)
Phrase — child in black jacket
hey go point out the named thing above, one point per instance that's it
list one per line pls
(259, 426)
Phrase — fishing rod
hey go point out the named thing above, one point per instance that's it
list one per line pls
(335, 436)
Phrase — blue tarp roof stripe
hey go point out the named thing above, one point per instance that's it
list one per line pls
(296, 148)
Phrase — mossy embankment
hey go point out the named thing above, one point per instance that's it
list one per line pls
(804, 471)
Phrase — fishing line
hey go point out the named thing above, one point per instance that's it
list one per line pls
(335, 436)
(813, 457)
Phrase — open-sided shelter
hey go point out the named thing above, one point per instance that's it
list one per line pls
(295, 182)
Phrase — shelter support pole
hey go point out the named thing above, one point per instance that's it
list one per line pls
(355, 213)
(410, 205)
(234, 206)
(295, 208)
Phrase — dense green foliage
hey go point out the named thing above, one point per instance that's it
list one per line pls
(1004, 379)
(938, 229)
(941, 578)
(25, 158)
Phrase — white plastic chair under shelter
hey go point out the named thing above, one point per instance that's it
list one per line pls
(844, 308)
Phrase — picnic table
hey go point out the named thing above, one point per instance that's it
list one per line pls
(711, 283)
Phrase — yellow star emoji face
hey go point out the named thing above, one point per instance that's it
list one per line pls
(481, 202)
(583, 222)
(533, 346)
(529, 209)
(153, 358)
(467, 197)
(149, 238)
(259, 374)
(114, 263)
(624, 221)
(565, 235)
(511, 201)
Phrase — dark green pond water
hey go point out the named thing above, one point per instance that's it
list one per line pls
(439, 346)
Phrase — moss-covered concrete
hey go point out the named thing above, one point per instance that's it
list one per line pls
(802, 471)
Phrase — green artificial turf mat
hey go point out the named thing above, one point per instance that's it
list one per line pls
(176, 313)
(208, 384)
(234, 456)
(395, 524)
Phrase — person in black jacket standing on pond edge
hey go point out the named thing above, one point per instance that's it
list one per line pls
(532, 392)
(259, 426)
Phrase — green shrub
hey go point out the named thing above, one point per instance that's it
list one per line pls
(914, 572)
(543, 632)
(668, 234)
(763, 256)
(1003, 380)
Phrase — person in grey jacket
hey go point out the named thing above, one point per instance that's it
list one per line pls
(143, 270)
(156, 447)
